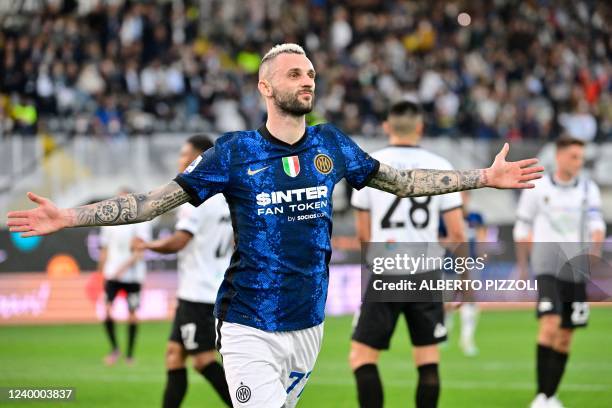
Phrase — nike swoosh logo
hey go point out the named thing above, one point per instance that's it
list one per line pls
(253, 172)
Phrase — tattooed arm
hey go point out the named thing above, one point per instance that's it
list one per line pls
(129, 208)
(425, 182)
(125, 209)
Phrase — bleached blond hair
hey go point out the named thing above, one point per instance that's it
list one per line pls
(286, 48)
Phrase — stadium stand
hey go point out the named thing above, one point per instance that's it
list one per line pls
(515, 70)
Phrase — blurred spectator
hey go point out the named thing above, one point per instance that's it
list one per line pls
(517, 70)
(341, 32)
(580, 124)
(109, 119)
(25, 116)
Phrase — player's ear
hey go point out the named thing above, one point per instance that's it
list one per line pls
(386, 128)
(419, 127)
(264, 87)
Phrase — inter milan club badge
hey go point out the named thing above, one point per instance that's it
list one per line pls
(291, 165)
(243, 393)
(323, 163)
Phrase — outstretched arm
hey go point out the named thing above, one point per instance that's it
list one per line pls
(124, 209)
(168, 245)
(129, 208)
(426, 182)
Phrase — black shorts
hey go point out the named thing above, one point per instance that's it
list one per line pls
(376, 323)
(567, 299)
(194, 326)
(112, 287)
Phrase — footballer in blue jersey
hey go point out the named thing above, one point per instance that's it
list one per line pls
(278, 182)
(280, 201)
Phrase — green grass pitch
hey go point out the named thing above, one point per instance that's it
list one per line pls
(502, 375)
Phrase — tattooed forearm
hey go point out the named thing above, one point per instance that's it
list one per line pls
(425, 182)
(130, 208)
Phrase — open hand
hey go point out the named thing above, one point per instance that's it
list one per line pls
(505, 174)
(42, 220)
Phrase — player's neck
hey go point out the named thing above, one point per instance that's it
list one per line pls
(286, 128)
(563, 178)
(404, 140)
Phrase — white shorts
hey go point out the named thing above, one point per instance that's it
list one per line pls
(267, 369)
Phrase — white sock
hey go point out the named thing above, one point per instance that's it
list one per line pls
(449, 320)
(469, 320)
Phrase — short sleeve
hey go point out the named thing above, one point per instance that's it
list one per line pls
(361, 199)
(594, 214)
(191, 220)
(207, 175)
(104, 236)
(525, 214)
(143, 231)
(360, 167)
(450, 201)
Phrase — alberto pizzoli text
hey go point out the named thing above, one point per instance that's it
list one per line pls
(456, 285)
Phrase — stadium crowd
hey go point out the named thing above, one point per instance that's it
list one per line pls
(506, 69)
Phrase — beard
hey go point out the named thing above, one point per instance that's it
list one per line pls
(290, 103)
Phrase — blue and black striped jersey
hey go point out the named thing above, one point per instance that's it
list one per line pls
(280, 202)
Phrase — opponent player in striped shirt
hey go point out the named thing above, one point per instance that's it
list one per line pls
(278, 181)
